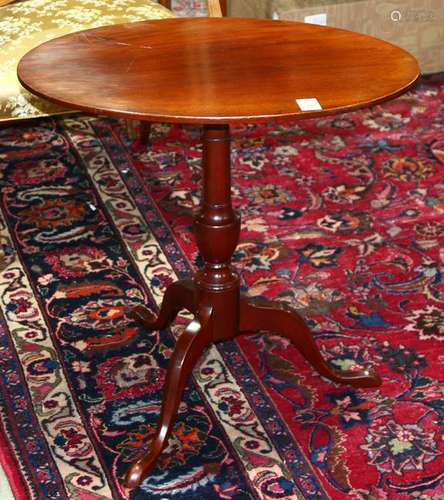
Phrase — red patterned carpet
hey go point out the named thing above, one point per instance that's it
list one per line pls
(342, 217)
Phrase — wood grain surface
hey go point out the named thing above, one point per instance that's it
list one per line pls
(216, 70)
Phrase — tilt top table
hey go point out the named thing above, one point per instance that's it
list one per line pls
(216, 72)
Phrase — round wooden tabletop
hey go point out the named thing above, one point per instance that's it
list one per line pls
(213, 70)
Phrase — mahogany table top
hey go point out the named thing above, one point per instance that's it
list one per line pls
(213, 70)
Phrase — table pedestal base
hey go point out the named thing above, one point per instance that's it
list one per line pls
(220, 313)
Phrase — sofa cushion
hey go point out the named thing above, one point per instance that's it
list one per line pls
(28, 23)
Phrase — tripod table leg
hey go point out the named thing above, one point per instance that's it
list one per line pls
(189, 347)
(179, 295)
(282, 320)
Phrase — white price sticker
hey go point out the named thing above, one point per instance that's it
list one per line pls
(311, 104)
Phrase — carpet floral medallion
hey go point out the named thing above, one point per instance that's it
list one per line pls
(343, 218)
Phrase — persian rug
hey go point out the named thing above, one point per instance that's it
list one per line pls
(343, 217)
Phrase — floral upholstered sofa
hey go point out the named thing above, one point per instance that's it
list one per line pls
(24, 24)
